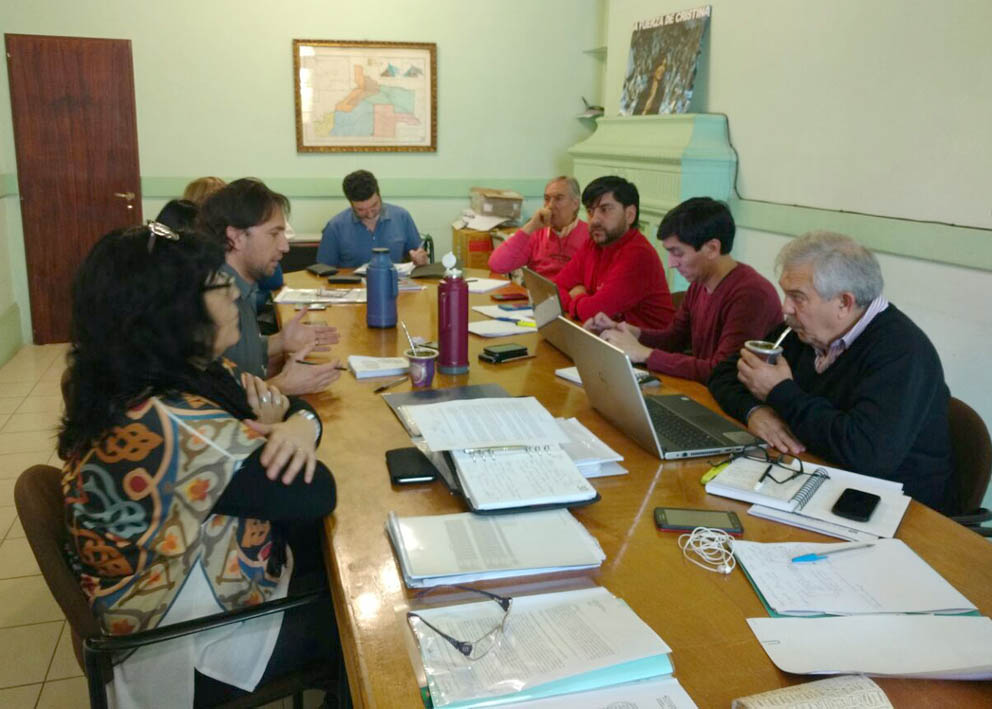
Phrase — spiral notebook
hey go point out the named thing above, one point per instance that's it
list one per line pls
(516, 477)
(742, 480)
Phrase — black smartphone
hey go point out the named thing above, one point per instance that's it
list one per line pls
(680, 519)
(409, 465)
(322, 269)
(855, 504)
(495, 354)
(344, 279)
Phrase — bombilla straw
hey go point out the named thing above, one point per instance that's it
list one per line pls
(778, 342)
(413, 347)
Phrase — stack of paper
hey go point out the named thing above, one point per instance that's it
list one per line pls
(506, 451)
(484, 285)
(593, 458)
(571, 374)
(920, 646)
(463, 548)
(887, 577)
(402, 269)
(494, 311)
(552, 644)
(500, 328)
(366, 367)
(847, 691)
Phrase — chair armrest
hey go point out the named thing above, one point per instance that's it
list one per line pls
(973, 518)
(118, 643)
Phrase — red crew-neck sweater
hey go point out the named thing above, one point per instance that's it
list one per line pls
(624, 279)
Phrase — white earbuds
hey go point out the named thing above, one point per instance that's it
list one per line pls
(710, 549)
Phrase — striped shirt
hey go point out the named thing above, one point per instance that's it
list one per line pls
(825, 358)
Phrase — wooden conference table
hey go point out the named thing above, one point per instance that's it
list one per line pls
(700, 614)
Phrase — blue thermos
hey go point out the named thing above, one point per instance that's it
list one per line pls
(383, 287)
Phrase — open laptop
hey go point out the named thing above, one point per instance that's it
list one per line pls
(547, 309)
(668, 425)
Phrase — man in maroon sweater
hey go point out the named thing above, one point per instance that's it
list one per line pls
(616, 271)
(727, 302)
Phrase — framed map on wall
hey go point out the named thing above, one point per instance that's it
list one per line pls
(365, 96)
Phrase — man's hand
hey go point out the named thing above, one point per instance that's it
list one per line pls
(298, 377)
(599, 322)
(296, 335)
(418, 256)
(577, 291)
(290, 448)
(540, 219)
(765, 423)
(759, 376)
(623, 337)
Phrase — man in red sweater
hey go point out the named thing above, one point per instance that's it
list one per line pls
(727, 302)
(616, 272)
(550, 238)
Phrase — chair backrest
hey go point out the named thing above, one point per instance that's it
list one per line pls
(41, 509)
(971, 449)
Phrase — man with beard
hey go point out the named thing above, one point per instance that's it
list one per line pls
(616, 271)
(858, 383)
(727, 302)
(250, 220)
(550, 237)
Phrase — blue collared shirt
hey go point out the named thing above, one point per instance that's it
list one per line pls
(346, 242)
(251, 353)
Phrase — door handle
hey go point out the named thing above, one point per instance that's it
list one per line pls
(129, 196)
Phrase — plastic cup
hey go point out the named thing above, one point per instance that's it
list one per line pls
(764, 349)
(421, 366)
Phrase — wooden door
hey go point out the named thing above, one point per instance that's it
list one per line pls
(76, 142)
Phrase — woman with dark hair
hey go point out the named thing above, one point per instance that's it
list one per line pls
(187, 493)
(178, 214)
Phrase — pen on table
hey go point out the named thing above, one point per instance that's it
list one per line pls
(387, 385)
(518, 321)
(761, 480)
(816, 556)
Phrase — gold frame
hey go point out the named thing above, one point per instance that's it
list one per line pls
(429, 48)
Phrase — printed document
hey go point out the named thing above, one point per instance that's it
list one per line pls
(486, 423)
(887, 577)
(845, 692)
(552, 643)
(921, 646)
(647, 694)
(462, 548)
(499, 328)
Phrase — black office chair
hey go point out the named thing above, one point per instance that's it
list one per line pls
(41, 509)
(971, 449)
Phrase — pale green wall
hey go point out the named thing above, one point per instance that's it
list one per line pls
(214, 95)
(881, 107)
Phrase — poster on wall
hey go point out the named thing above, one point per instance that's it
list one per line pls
(661, 67)
(365, 96)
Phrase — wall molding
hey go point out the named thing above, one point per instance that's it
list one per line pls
(10, 333)
(970, 247)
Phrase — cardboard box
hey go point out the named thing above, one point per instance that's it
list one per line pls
(497, 203)
(473, 247)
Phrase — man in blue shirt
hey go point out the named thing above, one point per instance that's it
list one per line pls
(349, 237)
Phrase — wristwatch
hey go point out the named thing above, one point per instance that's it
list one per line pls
(314, 419)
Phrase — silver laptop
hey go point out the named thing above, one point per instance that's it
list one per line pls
(668, 425)
(547, 309)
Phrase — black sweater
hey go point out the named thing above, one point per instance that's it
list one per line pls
(880, 409)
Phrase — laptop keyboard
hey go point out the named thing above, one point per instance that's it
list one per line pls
(684, 435)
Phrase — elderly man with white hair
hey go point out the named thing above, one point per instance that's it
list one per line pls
(858, 383)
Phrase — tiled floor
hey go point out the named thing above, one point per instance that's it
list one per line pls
(37, 665)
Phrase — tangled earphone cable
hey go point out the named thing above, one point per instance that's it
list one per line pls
(711, 549)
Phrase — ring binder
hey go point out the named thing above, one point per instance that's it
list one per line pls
(809, 488)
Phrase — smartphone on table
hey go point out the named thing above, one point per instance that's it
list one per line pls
(680, 519)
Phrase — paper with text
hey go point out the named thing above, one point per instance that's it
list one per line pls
(485, 423)
(846, 692)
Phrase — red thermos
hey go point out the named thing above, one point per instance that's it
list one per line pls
(452, 318)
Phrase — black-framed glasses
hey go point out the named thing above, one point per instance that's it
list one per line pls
(480, 647)
(783, 461)
(158, 229)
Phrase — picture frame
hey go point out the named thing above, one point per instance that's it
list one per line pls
(364, 96)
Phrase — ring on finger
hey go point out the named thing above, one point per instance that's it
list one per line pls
(265, 398)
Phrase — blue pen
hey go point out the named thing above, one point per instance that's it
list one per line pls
(824, 554)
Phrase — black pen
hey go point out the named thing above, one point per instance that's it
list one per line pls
(387, 385)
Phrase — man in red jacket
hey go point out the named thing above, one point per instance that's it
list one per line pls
(727, 302)
(617, 271)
